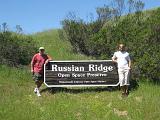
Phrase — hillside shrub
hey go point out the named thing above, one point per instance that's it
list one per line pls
(139, 31)
(16, 49)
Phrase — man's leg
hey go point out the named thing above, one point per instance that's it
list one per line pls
(126, 92)
(127, 76)
(36, 90)
(123, 90)
(38, 84)
(121, 81)
(38, 81)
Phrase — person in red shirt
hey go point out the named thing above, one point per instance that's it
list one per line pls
(37, 68)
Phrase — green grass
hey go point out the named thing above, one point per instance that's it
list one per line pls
(18, 102)
(56, 48)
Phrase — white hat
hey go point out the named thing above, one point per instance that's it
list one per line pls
(41, 48)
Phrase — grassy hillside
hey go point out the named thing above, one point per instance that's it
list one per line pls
(58, 49)
(18, 102)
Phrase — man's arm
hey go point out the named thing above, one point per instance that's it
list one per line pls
(48, 59)
(32, 68)
(114, 58)
(129, 64)
(32, 64)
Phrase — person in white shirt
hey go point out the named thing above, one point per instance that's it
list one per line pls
(122, 58)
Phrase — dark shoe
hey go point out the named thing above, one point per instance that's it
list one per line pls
(124, 95)
(127, 93)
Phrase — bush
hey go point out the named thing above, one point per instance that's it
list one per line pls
(16, 49)
(138, 31)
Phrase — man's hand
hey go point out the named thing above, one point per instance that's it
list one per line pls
(114, 61)
(32, 71)
(46, 61)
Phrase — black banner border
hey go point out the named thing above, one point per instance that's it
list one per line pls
(88, 85)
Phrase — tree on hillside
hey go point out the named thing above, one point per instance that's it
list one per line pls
(130, 6)
(99, 38)
(15, 49)
(135, 6)
(19, 29)
(139, 5)
(104, 13)
(118, 6)
(80, 33)
(4, 27)
(75, 31)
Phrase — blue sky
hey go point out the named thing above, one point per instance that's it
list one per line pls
(38, 15)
